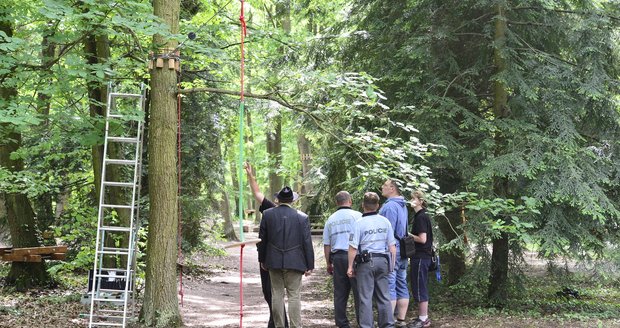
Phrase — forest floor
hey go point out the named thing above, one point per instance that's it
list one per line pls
(211, 299)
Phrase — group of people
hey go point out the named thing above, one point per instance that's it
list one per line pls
(361, 250)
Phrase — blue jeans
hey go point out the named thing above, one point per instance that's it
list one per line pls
(398, 279)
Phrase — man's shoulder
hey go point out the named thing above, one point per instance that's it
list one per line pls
(344, 213)
(354, 213)
(386, 206)
(302, 214)
(271, 212)
(383, 219)
(391, 202)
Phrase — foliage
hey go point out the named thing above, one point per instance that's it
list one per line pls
(561, 76)
(542, 297)
(401, 89)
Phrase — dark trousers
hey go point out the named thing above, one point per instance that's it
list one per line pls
(266, 284)
(372, 284)
(342, 288)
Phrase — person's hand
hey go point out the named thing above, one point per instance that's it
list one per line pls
(248, 169)
(308, 272)
(330, 269)
(350, 273)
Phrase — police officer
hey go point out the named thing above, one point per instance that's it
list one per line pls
(372, 253)
(336, 246)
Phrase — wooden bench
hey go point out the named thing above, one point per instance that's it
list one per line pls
(33, 254)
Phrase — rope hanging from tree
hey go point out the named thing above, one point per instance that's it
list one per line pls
(240, 161)
(180, 223)
(239, 168)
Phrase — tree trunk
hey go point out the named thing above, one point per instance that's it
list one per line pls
(97, 50)
(62, 203)
(4, 227)
(274, 138)
(274, 152)
(304, 147)
(227, 213)
(250, 150)
(229, 227)
(452, 260)
(160, 306)
(43, 203)
(498, 284)
(250, 138)
(20, 217)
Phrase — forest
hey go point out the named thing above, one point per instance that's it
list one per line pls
(505, 113)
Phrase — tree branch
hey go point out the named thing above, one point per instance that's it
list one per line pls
(564, 11)
(304, 109)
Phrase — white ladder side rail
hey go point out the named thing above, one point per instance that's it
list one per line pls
(137, 199)
(135, 204)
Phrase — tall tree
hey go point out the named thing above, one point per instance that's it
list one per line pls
(43, 203)
(498, 282)
(20, 216)
(160, 306)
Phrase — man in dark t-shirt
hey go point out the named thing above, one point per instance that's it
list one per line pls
(265, 204)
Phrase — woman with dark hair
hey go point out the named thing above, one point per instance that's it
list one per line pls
(423, 236)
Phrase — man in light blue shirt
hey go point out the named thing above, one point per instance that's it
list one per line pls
(336, 245)
(372, 253)
(395, 210)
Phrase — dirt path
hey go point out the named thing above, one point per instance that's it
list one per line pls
(213, 300)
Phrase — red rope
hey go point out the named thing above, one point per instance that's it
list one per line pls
(243, 34)
(180, 224)
(241, 287)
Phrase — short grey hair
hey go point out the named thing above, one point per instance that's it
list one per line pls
(371, 201)
(343, 197)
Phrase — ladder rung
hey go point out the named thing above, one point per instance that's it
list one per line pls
(123, 139)
(130, 95)
(119, 184)
(107, 316)
(114, 290)
(110, 311)
(110, 324)
(111, 300)
(118, 251)
(117, 229)
(120, 273)
(111, 276)
(114, 269)
(116, 206)
(120, 161)
(115, 115)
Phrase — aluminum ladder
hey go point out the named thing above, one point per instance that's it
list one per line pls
(109, 298)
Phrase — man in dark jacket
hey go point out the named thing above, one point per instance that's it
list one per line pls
(265, 281)
(286, 251)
